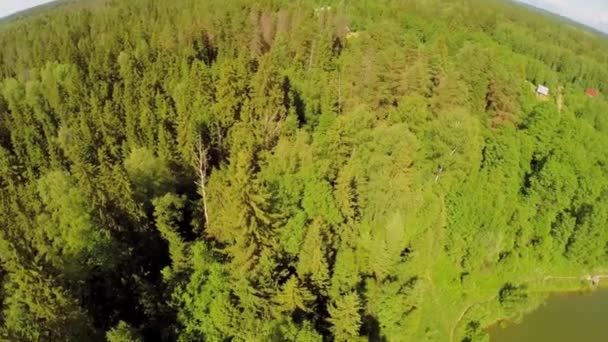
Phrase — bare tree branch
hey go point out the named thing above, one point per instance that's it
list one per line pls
(201, 158)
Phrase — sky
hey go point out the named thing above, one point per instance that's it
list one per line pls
(8, 7)
(593, 13)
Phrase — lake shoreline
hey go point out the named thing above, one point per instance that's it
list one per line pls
(586, 287)
(583, 286)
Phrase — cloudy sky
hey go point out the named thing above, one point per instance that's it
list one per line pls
(8, 7)
(590, 12)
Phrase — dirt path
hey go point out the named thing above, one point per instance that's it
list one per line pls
(595, 279)
(559, 277)
(464, 312)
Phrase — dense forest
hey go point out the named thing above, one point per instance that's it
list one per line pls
(375, 170)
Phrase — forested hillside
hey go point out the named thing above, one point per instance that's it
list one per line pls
(375, 170)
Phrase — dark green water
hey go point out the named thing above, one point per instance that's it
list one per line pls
(564, 318)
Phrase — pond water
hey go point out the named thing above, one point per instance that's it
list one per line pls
(575, 317)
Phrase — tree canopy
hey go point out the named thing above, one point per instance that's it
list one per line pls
(294, 170)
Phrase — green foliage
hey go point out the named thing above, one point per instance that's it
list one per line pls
(122, 332)
(169, 216)
(36, 308)
(149, 174)
(74, 242)
(345, 318)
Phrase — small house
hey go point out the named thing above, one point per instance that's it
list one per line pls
(592, 92)
(542, 90)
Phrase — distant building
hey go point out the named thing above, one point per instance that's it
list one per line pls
(592, 92)
(542, 90)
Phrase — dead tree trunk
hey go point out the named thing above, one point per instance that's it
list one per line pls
(439, 172)
(311, 56)
(339, 90)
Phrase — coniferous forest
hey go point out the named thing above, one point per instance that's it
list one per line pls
(374, 170)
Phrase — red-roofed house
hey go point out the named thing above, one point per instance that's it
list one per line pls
(592, 92)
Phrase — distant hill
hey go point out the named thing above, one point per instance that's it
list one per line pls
(40, 9)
